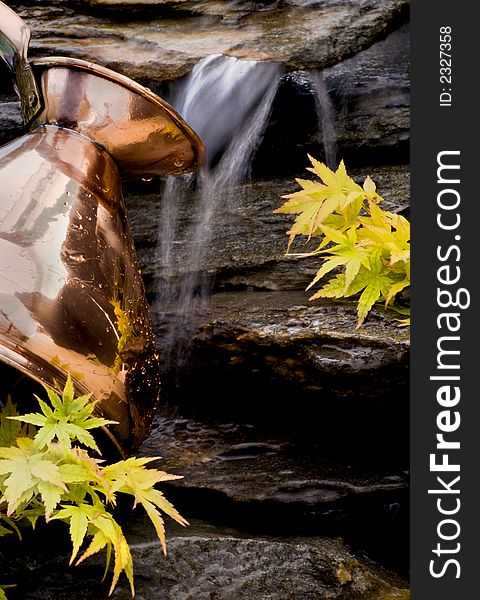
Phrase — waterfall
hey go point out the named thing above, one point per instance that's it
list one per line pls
(219, 94)
(326, 118)
(235, 164)
(228, 103)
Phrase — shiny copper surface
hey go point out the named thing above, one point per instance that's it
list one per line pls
(144, 134)
(14, 40)
(71, 296)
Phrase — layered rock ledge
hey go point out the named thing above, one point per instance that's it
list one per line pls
(274, 358)
(248, 246)
(156, 40)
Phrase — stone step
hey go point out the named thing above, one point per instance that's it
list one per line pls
(205, 562)
(240, 475)
(273, 358)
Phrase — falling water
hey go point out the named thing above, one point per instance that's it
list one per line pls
(326, 118)
(174, 191)
(235, 164)
(227, 102)
(219, 94)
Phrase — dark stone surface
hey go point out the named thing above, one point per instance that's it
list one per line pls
(248, 464)
(245, 476)
(252, 353)
(205, 563)
(10, 121)
(372, 94)
(370, 106)
(238, 568)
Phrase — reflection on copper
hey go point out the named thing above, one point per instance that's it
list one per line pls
(144, 135)
(72, 299)
(74, 261)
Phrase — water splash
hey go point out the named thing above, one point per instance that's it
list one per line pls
(326, 118)
(228, 103)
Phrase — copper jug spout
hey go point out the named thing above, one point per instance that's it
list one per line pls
(72, 300)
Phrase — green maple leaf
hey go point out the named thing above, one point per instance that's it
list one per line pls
(5, 531)
(109, 533)
(301, 200)
(48, 476)
(345, 253)
(372, 292)
(3, 596)
(317, 202)
(334, 288)
(375, 283)
(78, 518)
(391, 234)
(69, 420)
(131, 477)
(26, 471)
(369, 244)
(338, 181)
(328, 265)
(9, 428)
(51, 495)
(394, 289)
(9, 526)
(304, 223)
(370, 190)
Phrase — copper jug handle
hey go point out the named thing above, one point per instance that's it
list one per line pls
(14, 41)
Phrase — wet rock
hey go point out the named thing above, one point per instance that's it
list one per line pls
(204, 562)
(367, 98)
(279, 320)
(269, 359)
(249, 242)
(248, 464)
(230, 567)
(372, 94)
(154, 41)
(292, 421)
(244, 476)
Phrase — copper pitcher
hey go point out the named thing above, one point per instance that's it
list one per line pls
(72, 299)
